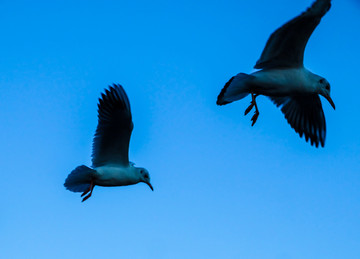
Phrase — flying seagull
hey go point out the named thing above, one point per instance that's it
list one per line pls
(110, 160)
(285, 80)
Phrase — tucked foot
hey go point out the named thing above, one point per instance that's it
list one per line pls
(90, 189)
(87, 190)
(252, 105)
(255, 117)
(248, 109)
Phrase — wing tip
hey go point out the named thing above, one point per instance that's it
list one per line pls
(320, 7)
(113, 94)
(306, 123)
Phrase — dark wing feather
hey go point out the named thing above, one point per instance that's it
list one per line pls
(285, 47)
(112, 136)
(305, 115)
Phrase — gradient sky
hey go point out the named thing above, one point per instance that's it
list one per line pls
(223, 189)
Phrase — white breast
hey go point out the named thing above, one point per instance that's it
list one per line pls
(115, 175)
(281, 82)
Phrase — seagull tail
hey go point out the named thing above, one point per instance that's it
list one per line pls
(235, 89)
(79, 179)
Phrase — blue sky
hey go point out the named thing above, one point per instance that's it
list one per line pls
(223, 189)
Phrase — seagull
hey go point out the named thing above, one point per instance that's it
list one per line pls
(110, 159)
(284, 79)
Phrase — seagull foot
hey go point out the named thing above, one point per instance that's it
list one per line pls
(90, 189)
(86, 197)
(85, 192)
(248, 109)
(252, 104)
(255, 117)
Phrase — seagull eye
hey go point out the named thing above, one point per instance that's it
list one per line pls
(327, 87)
(321, 81)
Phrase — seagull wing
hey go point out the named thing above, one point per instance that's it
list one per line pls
(285, 47)
(112, 136)
(305, 115)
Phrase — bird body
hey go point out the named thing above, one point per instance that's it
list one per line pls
(115, 175)
(110, 162)
(285, 80)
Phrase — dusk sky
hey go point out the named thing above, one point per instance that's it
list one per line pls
(222, 189)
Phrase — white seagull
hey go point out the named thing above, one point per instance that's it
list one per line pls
(110, 160)
(285, 80)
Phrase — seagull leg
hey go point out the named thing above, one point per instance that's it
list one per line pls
(90, 189)
(252, 103)
(256, 115)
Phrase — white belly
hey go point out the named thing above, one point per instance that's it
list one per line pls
(115, 176)
(281, 82)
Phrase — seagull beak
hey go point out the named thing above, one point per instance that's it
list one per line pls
(330, 101)
(150, 186)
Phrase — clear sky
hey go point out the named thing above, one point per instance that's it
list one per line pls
(223, 189)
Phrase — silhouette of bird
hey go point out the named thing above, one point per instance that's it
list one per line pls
(285, 80)
(110, 161)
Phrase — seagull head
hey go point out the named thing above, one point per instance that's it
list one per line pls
(144, 176)
(323, 88)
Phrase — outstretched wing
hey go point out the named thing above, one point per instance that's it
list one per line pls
(285, 47)
(305, 115)
(112, 136)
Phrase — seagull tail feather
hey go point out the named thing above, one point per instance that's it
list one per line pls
(79, 179)
(235, 89)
